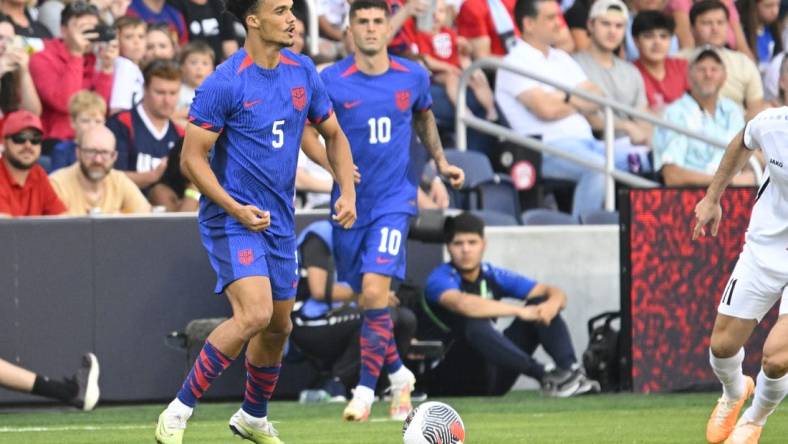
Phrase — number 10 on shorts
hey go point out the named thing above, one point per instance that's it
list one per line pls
(390, 241)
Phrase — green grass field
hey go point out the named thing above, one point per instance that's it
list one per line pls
(520, 417)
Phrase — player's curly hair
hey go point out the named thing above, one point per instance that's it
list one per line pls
(242, 8)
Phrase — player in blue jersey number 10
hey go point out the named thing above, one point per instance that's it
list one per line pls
(379, 99)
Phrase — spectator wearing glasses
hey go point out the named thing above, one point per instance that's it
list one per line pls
(91, 185)
(71, 64)
(24, 186)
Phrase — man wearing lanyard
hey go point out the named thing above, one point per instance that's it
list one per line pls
(465, 297)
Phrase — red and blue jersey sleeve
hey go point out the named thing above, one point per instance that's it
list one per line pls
(513, 285)
(423, 100)
(320, 107)
(213, 103)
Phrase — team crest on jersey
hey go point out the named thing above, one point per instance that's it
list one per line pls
(299, 97)
(246, 256)
(403, 100)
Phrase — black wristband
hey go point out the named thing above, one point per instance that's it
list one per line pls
(567, 97)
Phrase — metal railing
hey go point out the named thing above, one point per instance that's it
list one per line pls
(465, 119)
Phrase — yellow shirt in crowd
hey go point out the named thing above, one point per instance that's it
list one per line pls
(121, 195)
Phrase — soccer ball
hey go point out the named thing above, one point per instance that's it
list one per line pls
(433, 423)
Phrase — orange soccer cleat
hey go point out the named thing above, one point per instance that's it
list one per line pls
(723, 417)
(745, 433)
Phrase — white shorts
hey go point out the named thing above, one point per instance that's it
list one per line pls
(752, 291)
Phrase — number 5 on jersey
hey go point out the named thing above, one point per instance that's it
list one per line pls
(276, 130)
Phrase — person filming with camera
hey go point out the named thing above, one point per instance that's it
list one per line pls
(83, 59)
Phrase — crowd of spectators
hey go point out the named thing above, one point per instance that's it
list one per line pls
(134, 66)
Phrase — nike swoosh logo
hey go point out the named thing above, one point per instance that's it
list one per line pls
(352, 104)
(382, 261)
(252, 103)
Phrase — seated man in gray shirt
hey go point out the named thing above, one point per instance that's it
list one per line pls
(618, 79)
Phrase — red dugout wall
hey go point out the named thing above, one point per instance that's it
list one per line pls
(671, 286)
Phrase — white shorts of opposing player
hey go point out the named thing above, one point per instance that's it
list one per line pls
(752, 290)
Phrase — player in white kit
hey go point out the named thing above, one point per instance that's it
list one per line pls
(757, 282)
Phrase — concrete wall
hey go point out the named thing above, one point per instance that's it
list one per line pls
(118, 285)
(581, 260)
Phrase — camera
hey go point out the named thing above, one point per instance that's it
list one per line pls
(106, 33)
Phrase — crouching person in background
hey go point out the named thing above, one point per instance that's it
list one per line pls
(465, 295)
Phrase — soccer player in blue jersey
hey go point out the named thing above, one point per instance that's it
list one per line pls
(378, 98)
(248, 117)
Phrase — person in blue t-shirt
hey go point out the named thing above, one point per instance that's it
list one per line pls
(465, 295)
(248, 117)
(378, 99)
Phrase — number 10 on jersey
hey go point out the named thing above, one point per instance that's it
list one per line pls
(379, 130)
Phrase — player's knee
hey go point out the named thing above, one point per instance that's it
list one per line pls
(373, 297)
(253, 322)
(281, 328)
(775, 365)
(721, 347)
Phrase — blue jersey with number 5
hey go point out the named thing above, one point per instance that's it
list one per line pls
(376, 114)
(260, 116)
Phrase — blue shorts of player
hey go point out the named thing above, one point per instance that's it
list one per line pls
(378, 247)
(235, 253)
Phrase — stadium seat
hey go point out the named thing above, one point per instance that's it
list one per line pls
(544, 216)
(499, 195)
(494, 218)
(599, 217)
(476, 165)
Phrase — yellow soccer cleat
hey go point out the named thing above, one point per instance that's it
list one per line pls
(170, 428)
(266, 434)
(401, 403)
(745, 433)
(356, 411)
(723, 417)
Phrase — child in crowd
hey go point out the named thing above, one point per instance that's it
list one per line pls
(160, 43)
(196, 60)
(441, 51)
(128, 84)
(87, 110)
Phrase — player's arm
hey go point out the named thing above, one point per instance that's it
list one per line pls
(316, 152)
(427, 130)
(474, 306)
(708, 209)
(194, 165)
(341, 161)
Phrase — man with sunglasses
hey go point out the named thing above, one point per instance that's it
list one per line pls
(91, 185)
(24, 186)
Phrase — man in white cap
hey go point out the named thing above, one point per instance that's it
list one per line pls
(618, 79)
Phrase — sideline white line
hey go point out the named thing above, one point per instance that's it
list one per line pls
(73, 428)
